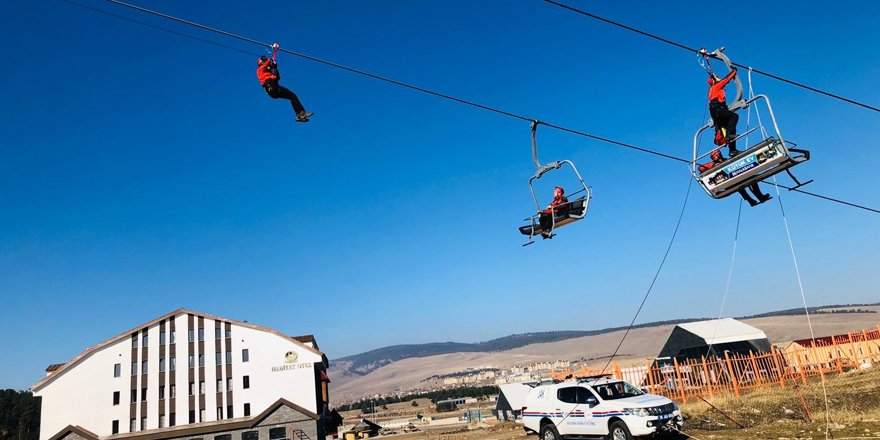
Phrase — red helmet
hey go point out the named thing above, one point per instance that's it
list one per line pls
(561, 191)
(711, 80)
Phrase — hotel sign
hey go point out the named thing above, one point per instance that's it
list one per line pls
(290, 363)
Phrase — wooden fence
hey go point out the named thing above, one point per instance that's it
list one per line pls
(734, 373)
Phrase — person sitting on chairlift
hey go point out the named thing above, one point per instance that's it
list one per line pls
(725, 122)
(546, 219)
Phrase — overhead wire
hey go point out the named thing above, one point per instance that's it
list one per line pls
(691, 49)
(435, 93)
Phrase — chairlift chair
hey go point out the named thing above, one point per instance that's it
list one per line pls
(561, 215)
(769, 157)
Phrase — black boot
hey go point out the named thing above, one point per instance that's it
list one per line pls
(748, 198)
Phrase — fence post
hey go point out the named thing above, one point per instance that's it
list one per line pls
(680, 383)
(651, 377)
(617, 373)
(779, 369)
(755, 366)
(852, 348)
(708, 380)
(732, 374)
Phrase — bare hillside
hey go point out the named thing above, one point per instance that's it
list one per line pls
(640, 344)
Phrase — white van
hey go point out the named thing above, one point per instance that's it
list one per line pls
(597, 407)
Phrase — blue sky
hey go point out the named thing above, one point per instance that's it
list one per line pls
(142, 171)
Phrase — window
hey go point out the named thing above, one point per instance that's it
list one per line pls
(250, 435)
(161, 364)
(172, 419)
(132, 427)
(192, 416)
(115, 429)
(228, 357)
(222, 436)
(201, 334)
(217, 358)
(246, 382)
(161, 338)
(161, 420)
(143, 423)
(171, 339)
(161, 392)
(279, 432)
(116, 398)
(219, 385)
(134, 396)
(172, 364)
(192, 388)
(229, 412)
(217, 333)
(219, 415)
(228, 333)
(202, 387)
(192, 361)
(202, 415)
(172, 392)
(134, 341)
(144, 367)
(145, 340)
(245, 355)
(143, 394)
(247, 409)
(134, 368)
(577, 395)
(190, 336)
(201, 360)
(117, 371)
(228, 384)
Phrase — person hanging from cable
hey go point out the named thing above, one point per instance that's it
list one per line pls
(725, 122)
(546, 218)
(268, 75)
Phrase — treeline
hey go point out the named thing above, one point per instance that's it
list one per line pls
(366, 405)
(19, 415)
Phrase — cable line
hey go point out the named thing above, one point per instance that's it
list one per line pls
(425, 90)
(690, 49)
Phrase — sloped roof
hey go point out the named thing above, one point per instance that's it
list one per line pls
(515, 394)
(721, 331)
(127, 334)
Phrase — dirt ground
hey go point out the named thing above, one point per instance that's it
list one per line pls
(774, 413)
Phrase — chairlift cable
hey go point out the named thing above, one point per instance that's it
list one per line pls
(729, 277)
(797, 272)
(431, 92)
(690, 49)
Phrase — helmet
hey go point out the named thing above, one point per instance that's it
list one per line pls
(711, 80)
(262, 60)
(561, 191)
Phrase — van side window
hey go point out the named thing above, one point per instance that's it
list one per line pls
(568, 395)
(584, 396)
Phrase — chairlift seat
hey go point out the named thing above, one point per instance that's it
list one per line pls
(565, 214)
(767, 158)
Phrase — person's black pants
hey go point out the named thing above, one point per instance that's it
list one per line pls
(723, 117)
(756, 190)
(277, 91)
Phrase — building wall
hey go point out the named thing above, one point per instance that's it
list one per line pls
(83, 394)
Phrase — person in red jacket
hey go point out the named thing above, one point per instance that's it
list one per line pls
(556, 205)
(268, 75)
(725, 120)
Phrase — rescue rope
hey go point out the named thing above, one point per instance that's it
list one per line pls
(690, 49)
(797, 272)
(729, 276)
(656, 275)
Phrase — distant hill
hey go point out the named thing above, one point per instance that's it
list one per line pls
(367, 362)
(364, 363)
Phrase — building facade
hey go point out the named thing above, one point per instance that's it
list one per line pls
(182, 369)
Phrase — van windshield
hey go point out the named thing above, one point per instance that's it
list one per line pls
(616, 390)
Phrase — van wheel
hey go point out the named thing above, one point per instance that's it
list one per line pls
(619, 431)
(549, 432)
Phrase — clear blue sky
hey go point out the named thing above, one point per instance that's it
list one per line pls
(141, 171)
